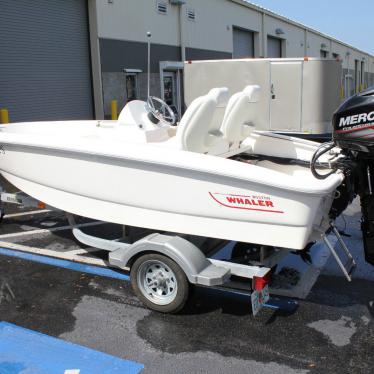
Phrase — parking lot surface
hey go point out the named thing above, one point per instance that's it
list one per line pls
(332, 331)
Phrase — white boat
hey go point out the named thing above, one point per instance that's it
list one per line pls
(219, 180)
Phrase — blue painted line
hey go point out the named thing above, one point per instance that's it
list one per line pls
(274, 303)
(96, 270)
(31, 352)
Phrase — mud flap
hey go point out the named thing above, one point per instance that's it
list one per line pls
(368, 236)
(367, 226)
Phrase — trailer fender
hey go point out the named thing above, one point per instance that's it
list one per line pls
(184, 253)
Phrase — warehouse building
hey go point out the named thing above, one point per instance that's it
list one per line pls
(68, 59)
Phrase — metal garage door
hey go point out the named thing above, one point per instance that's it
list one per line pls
(45, 70)
(243, 44)
(274, 47)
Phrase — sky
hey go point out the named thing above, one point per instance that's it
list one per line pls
(347, 20)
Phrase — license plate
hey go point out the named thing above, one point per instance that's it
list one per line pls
(259, 298)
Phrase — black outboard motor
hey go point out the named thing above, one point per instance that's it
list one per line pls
(353, 132)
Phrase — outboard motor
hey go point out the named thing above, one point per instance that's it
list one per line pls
(353, 132)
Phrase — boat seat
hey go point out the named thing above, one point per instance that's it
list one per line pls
(197, 132)
(238, 120)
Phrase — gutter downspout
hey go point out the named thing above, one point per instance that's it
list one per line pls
(96, 72)
(263, 53)
(181, 33)
(180, 95)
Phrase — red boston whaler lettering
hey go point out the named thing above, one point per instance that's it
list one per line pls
(258, 203)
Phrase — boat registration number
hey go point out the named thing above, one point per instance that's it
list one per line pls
(259, 298)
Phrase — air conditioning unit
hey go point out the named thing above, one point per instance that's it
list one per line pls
(162, 7)
(177, 2)
(191, 14)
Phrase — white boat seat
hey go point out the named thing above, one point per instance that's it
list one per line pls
(238, 120)
(197, 132)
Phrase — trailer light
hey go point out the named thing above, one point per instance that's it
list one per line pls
(41, 205)
(306, 58)
(259, 283)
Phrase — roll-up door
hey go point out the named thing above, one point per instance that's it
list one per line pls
(274, 47)
(243, 43)
(45, 69)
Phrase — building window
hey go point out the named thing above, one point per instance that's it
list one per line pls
(162, 7)
(336, 56)
(324, 54)
(191, 14)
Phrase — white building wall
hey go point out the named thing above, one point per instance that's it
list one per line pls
(314, 44)
(293, 37)
(212, 29)
(341, 50)
(131, 19)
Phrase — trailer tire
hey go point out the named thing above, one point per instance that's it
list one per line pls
(160, 283)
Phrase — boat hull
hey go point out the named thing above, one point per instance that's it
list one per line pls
(164, 197)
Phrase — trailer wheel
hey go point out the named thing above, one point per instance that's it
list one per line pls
(159, 283)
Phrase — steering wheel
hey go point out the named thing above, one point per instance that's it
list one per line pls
(161, 110)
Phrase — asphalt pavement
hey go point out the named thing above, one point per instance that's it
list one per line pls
(332, 331)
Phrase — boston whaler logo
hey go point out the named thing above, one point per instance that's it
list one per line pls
(247, 202)
(356, 122)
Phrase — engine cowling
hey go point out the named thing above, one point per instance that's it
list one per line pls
(353, 123)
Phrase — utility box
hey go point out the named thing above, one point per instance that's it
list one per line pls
(298, 95)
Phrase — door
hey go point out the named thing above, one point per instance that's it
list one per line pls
(169, 88)
(285, 100)
(363, 80)
(45, 68)
(131, 87)
(243, 43)
(357, 76)
(171, 91)
(274, 48)
(349, 85)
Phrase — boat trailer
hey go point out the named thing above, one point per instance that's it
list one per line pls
(159, 263)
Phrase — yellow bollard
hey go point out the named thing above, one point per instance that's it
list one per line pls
(341, 93)
(114, 110)
(4, 116)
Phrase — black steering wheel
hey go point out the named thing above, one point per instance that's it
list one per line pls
(161, 110)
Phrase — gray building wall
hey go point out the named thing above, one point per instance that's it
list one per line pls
(117, 55)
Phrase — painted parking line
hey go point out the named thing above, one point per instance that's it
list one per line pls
(27, 351)
(21, 214)
(73, 255)
(83, 268)
(53, 229)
